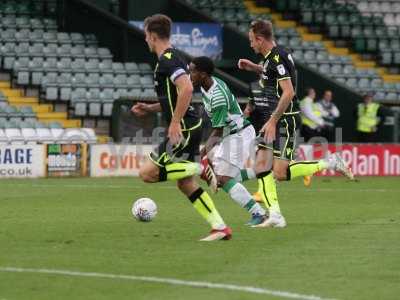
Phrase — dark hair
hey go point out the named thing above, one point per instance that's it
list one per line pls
(262, 28)
(159, 24)
(204, 64)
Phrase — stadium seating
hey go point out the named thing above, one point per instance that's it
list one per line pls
(315, 53)
(28, 8)
(373, 26)
(67, 68)
(20, 125)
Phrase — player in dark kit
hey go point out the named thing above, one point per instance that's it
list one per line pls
(277, 136)
(174, 157)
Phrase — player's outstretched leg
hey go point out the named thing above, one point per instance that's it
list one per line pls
(241, 196)
(204, 205)
(308, 168)
(182, 172)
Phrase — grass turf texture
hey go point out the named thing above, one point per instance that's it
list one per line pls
(342, 241)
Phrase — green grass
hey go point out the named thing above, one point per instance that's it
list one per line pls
(342, 241)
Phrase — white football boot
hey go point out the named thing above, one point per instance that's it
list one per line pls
(275, 220)
(336, 163)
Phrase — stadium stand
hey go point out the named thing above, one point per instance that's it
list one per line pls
(67, 68)
(315, 50)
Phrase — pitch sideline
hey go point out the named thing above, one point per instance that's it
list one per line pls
(168, 281)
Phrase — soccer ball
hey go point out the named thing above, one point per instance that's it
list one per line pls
(144, 209)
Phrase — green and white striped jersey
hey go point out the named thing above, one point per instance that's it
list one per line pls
(222, 108)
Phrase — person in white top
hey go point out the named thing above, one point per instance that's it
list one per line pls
(312, 121)
(329, 113)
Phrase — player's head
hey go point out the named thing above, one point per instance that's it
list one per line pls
(261, 35)
(157, 29)
(201, 68)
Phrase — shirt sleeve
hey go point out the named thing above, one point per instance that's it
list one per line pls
(218, 119)
(281, 67)
(172, 67)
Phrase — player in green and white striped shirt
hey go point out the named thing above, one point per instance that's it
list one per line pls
(231, 140)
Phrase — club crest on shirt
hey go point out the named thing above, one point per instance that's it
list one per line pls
(281, 69)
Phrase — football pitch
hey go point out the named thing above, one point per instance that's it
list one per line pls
(76, 239)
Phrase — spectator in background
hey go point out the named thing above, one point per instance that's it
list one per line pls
(329, 113)
(369, 115)
(310, 116)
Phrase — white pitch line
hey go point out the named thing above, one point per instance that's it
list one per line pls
(169, 281)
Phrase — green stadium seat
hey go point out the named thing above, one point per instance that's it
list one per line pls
(136, 93)
(80, 109)
(118, 68)
(309, 55)
(78, 95)
(107, 107)
(50, 50)
(27, 112)
(104, 53)
(78, 65)
(94, 109)
(22, 22)
(49, 36)
(364, 83)
(145, 68)
(107, 80)
(105, 66)
(146, 81)
(391, 97)
(92, 80)
(324, 69)
(93, 94)
(376, 83)
(149, 93)
(337, 69)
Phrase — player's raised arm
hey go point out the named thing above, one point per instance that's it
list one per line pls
(245, 64)
(141, 109)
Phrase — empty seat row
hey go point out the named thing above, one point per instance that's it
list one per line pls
(8, 111)
(28, 7)
(96, 80)
(88, 74)
(47, 136)
(10, 55)
(79, 65)
(361, 83)
(84, 94)
(93, 109)
(378, 6)
(46, 37)
(30, 123)
(24, 22)
(321, 56)
(238, 4)
(85, 102)
(347, 70)
(108, 95)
